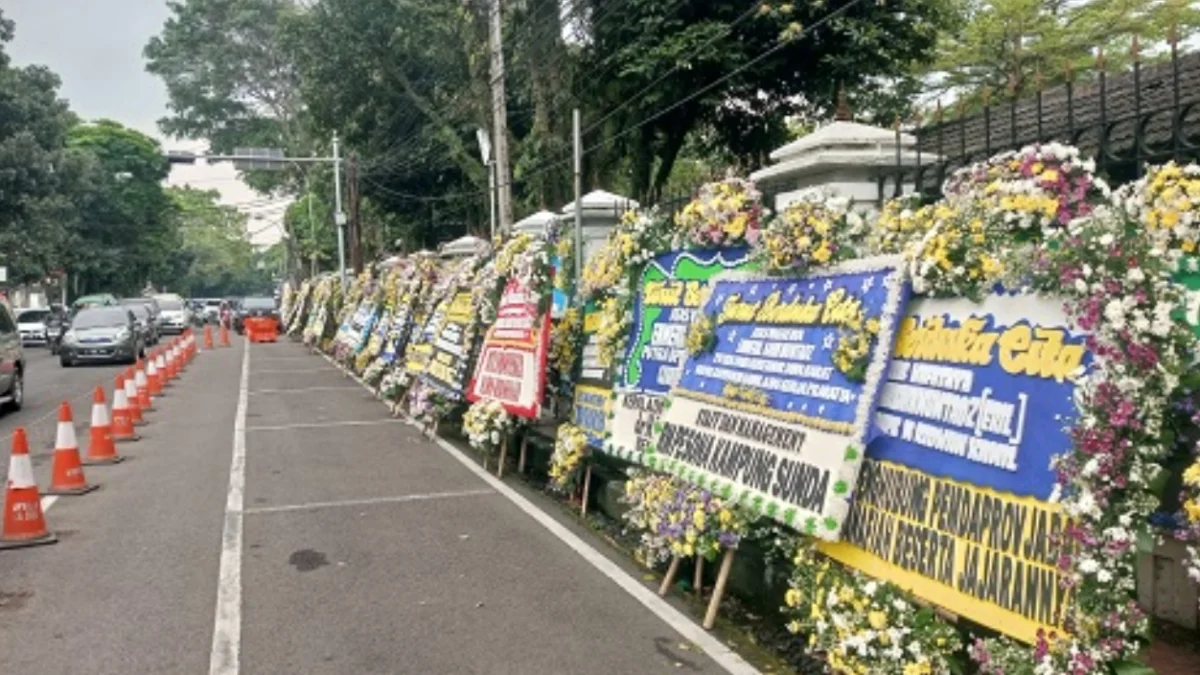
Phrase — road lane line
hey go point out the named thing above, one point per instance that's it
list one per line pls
(227, 626)
(399, 499)
(725, 657)
(300, 390)
(322, 425)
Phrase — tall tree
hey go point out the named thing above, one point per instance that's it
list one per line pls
(231, 77)
(216, 256)
(126, 236)
(39, 180)
(654, 71)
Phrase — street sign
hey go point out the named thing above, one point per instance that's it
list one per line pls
(259, 159)
(485, 144)
(181, 157)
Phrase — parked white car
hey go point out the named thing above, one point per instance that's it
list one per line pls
(174, 315)
(31, 324)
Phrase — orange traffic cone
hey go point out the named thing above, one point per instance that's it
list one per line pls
(224, 335)
(208, 343)
(100, 446)
(67, 477)
(154, 375)
(131, 399)
(142, 385)
(165, 367)
(24, 522)
(122, 421)
(172, 361)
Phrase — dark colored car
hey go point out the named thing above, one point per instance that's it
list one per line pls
(12, 362)
(101, 335)
(254, 306)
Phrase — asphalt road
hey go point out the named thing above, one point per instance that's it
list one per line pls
(304, 531)
(47, 384)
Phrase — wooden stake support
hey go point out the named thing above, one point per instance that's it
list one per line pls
(587, 489)
(503, 456)
(710, 617)
(670, 576)
(521, 459)
(698, 578)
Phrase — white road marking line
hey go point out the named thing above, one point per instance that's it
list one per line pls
(227, 626)
(688, 629)
(291, 371)
(300, 390)
(322, 425)
(421, 497)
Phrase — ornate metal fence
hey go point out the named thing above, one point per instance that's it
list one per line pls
(1146, 115)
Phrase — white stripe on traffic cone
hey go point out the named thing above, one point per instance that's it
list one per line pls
(20, 472)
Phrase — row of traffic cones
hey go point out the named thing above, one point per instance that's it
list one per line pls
(134, 392)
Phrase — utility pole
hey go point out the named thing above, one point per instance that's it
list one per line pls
(500, 119)
(577, 147)
(354, 226)
(339, 218)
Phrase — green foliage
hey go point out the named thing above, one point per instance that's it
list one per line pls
(125, 237)
(36, 173)
(216, 255)
(1006, 45)
(231, 77)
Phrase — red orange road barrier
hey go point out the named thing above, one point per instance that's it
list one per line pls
(208, 342)
(224, 335)
(122, 421)
(261, 329)
(24, 523)
(153, 375)
(66, 476)
(101, 449)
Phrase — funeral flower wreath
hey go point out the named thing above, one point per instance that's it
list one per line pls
(1037, 220)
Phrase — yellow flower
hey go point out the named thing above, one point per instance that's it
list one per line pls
(1193, 510)
(823, 253)
(792, 597)
(737, 226)
(877, 619)
(1192, 475)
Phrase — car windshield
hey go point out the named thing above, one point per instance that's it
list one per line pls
(101, 318)
(140, 311)
(170, 305)
(258, 303)
(33, 316)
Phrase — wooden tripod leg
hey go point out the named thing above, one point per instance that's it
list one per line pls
(669, 579)
(710, 617)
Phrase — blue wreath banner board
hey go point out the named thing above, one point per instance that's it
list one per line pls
(954, 499)
(453, 343)
(397, 334)
(593, 390)
(767, 417)
(355, 330)
(671, 289)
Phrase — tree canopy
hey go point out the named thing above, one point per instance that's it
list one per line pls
(406, 83)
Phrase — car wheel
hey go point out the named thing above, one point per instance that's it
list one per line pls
(17, 391)
(64, 361)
